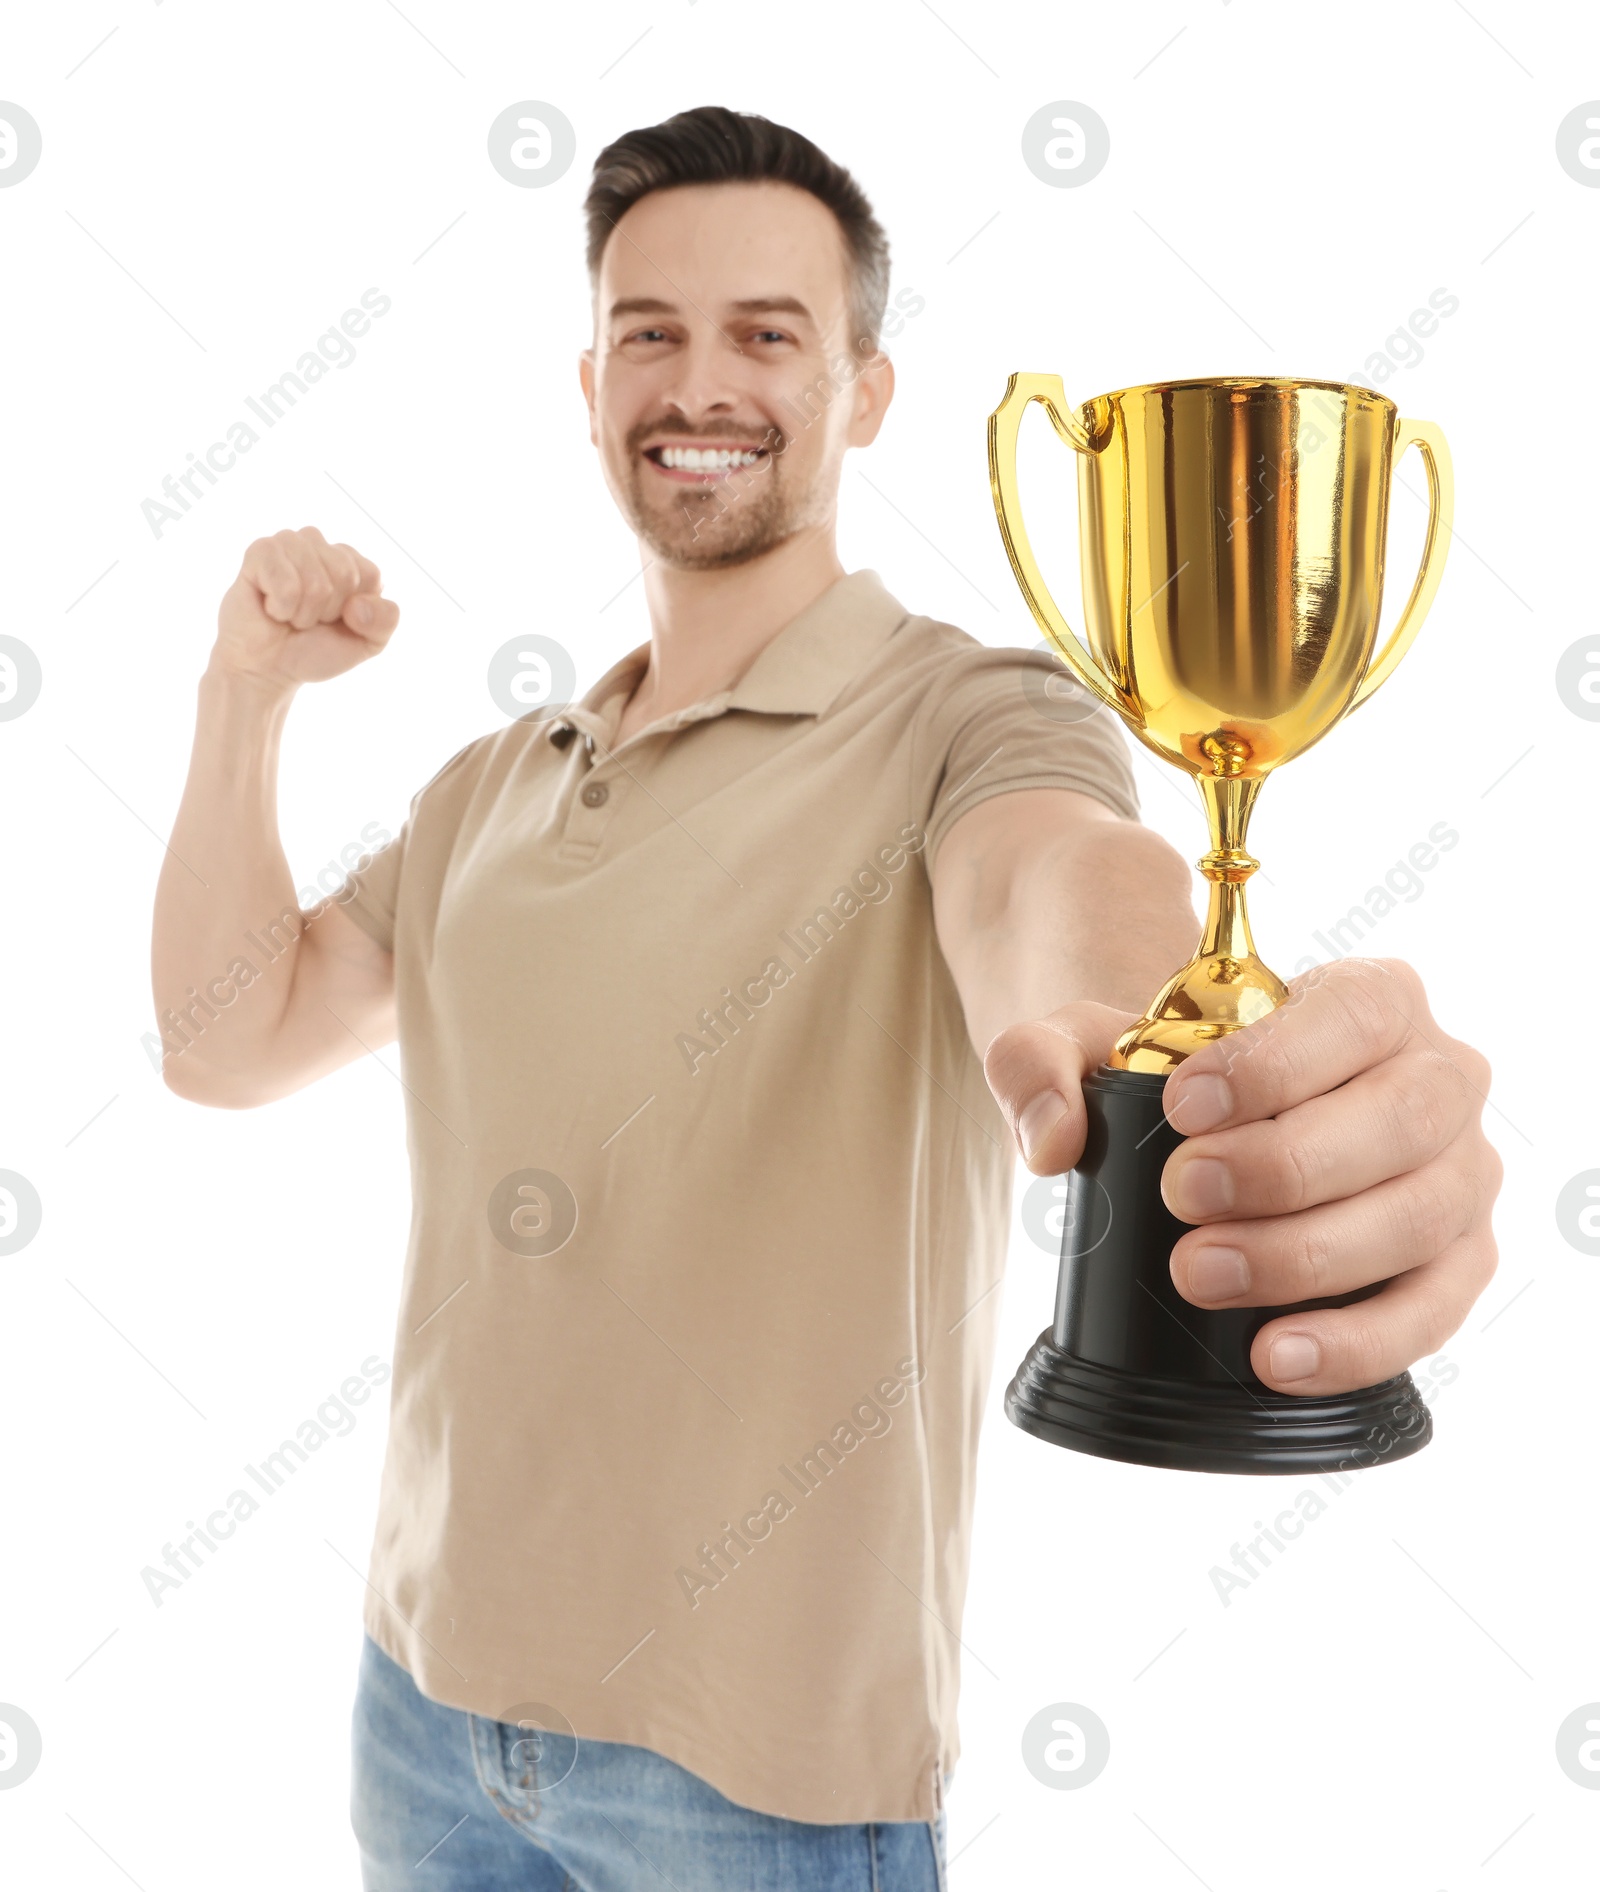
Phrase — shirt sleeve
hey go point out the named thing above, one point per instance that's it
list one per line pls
(373, 890)
(1011, 719)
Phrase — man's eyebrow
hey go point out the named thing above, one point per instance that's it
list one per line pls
(747, 305)
(776, 305)
(642, 305)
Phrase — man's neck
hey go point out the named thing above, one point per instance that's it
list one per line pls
(708, 627)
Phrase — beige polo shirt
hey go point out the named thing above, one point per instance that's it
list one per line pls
(709, 1201)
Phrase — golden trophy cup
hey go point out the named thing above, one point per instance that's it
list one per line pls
(1231, 537)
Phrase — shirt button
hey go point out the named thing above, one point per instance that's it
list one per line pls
(594, 794)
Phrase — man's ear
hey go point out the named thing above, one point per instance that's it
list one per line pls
(586, 382)
(871, 394)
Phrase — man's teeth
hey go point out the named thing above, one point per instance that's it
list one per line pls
(712, 457)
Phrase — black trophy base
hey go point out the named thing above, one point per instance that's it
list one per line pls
(1132, 1371)
(1191, 1428)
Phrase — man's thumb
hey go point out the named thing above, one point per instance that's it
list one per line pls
(1036, 1072)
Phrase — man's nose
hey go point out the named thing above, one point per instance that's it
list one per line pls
(707, 376)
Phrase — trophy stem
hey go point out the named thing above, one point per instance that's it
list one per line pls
(1228, 800)
(1225, 985)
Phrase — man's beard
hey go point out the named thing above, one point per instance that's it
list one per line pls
(739, 518)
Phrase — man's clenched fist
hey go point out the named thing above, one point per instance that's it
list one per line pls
(301, 610)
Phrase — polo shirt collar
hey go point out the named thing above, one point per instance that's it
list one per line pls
(799, 673)
(816, 654)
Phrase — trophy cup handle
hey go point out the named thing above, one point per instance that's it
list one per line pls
(1441, 508)
(1004, 423)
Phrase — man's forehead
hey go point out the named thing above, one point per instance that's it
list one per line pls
(725, 250)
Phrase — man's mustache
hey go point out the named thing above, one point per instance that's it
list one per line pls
(771, 438)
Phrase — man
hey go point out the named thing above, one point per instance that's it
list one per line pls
(697, 982)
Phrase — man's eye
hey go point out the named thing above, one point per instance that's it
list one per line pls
(647, 335)
(773, 334)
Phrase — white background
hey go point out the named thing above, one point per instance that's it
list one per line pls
(1285, 186)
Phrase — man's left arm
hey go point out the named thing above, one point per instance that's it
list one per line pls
(1334, 1143)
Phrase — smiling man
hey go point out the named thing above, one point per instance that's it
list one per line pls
(696, 983)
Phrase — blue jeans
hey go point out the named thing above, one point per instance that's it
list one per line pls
(453, 1802)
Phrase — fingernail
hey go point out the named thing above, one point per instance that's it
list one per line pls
(1201, 1103)
(1038, 1120)
(360, 612)
(1294, 1357)
(1202, 1186)
(1219, 1274)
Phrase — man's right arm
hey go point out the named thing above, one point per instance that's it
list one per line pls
(238, 1028)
